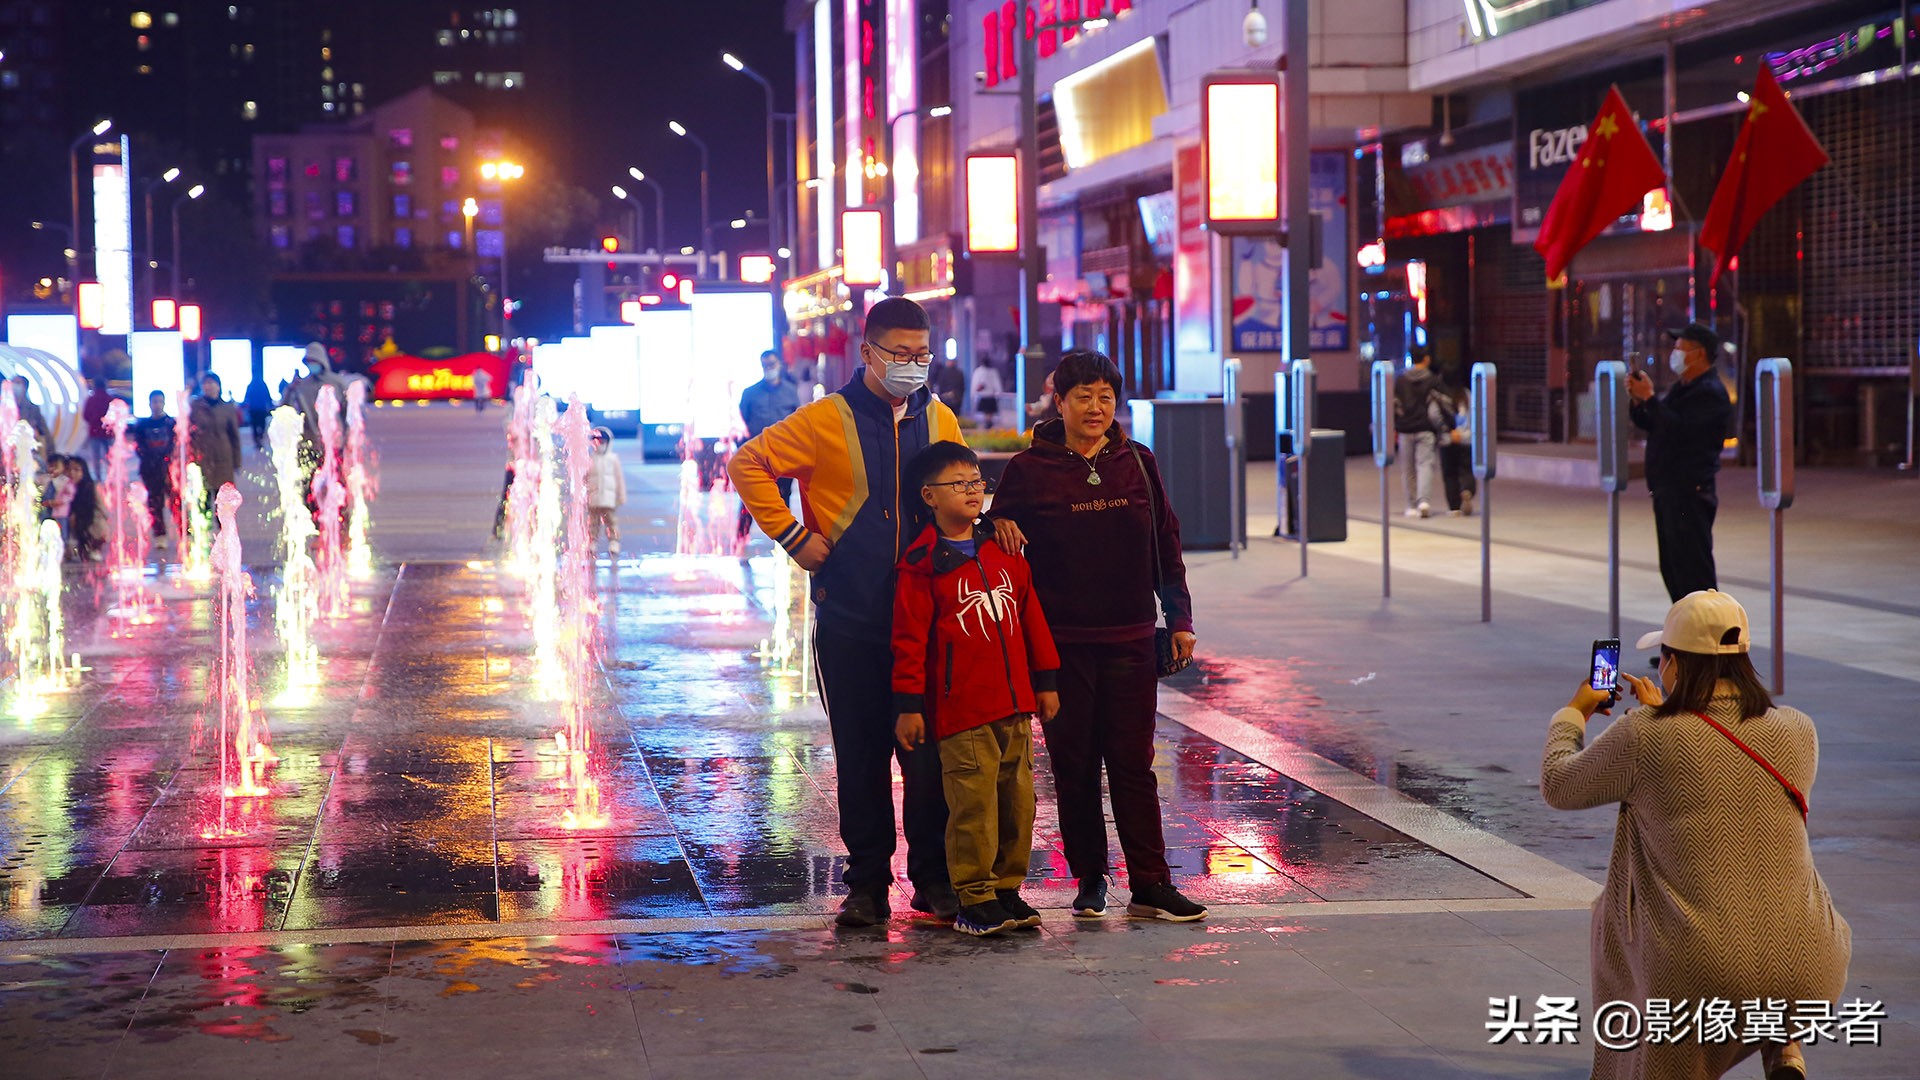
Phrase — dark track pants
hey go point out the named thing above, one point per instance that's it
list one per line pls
(856, 682)
(1108, 699)
(1683, 527)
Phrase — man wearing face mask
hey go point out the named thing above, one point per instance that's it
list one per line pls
(1686, 428)
(764, 404)
(847, 451)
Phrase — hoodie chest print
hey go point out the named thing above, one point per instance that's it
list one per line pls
(984, 608)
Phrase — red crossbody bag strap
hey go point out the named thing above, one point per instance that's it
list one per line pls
(1793, 793)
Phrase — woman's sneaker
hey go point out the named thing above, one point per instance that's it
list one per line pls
(1091, 901)
(1023, 913)
(983, 919)
(1162, 901)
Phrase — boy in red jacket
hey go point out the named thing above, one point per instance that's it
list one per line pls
(971, 650)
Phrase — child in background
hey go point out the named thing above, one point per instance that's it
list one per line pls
(86, 521)
(972, 651)
(56, 499)
(606, 492)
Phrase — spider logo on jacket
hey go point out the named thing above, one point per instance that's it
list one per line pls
(984, 605)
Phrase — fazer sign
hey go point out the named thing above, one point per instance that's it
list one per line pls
(1558, 147)
(1550, 127)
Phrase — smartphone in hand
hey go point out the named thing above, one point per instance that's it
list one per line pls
(1604, 669)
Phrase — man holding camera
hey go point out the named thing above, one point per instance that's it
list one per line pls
(1686, 429)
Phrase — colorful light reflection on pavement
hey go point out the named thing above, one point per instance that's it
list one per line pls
(419, 787)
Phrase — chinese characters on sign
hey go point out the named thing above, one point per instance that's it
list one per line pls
(1622, 1025)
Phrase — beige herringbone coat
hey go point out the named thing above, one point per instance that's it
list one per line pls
(1711, 890)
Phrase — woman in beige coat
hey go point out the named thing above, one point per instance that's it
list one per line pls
(1711, 891)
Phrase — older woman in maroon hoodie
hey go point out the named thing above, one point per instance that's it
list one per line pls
(1089, 505)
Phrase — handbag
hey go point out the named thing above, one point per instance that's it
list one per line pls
(1799, 800)
(1165, 662)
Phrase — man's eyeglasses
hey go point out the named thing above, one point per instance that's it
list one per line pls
(969, 486)
(921, 358)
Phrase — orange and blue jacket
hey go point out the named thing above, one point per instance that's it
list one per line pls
(846, 451)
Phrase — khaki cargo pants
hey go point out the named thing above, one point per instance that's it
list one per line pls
(987, 772)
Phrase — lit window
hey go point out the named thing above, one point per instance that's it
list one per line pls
(233, 13)
(516, 78)
(171, 18)
(326, 73)
(328, 106)
(282, 238)
(403, 206)
(313, 170)
(402, 173)
(141, 20)
(400, 138)
(456, 241)
(277, 204)
(143, 43)
(343, 236)
(508, 18)
(359, 91)
(145, 69)
(445, 78)
(450, 143)
(444, 38)
(247, 50)
(343, 204)
(250, 110)
(403, 238)
(326, 54)
(326, 95)
(277, 172)
(449, 176)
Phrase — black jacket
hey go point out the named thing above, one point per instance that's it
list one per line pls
(1416, 403)
(1686, 428)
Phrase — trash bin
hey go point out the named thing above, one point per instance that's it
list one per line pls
(1326, 486)
(1188, 437)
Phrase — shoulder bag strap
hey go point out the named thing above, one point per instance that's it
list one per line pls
(1799, 800)
(1153, 516)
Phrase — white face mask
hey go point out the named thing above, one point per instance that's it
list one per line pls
(902, 379)
(1677, 360)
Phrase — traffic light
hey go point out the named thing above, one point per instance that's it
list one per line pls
(610, 244)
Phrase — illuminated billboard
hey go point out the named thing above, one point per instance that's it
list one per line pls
(993, 203)
(232, 360)
(1241, 146)
(159, 363)
(113, 235)
(861, 258)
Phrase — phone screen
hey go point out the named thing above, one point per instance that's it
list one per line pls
(1606, 664)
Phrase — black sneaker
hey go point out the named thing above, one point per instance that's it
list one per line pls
(862, 909)
(982, 920)
(938, 900)
(1163, 901)
(1091, 901)
(1024, 916)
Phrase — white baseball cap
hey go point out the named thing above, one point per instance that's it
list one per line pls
(1698, 622)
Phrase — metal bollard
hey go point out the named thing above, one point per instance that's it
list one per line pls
(1773, 416)
(1236, 437)
(1485, 395)
(1610, 436)
(1383, 439)
(1303, 393)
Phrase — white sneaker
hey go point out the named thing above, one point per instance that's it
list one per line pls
(1426, 509)
(1455, 513)
(1412, 513)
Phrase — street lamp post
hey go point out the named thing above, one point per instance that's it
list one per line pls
(499, 172)
(193, 193)
(659, 206)
(773, 209)
(1031, 268)
(153, 263)
(73, 169)
(469, 210)
(624, 196)
(706, 226)
(889, 248)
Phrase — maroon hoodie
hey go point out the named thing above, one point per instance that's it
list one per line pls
(1091, 546)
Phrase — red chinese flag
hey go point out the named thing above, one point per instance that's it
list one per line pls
(1616, 167)
(1773, 153)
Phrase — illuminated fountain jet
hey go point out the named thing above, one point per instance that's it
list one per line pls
(359, 465)
(132, 524)
(246, 751)
(196, 527)
(296, 600)
(578, 613)
(330, 499)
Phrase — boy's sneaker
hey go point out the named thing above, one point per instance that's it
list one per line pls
(1023, 913)
(1163, 901)
(862, 909)
(938, 900)
(1425, 508)
(983, 919)
(1091, 901)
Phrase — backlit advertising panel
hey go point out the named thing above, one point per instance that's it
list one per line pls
(113, 235)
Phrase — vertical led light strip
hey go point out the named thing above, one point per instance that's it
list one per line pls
(823, 129)
(903, 97)
(113, 237)
(856, 158)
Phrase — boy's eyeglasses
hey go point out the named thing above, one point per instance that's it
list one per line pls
(968, 486)
(921, 358)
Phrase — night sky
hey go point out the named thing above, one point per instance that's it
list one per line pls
(645, 62)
